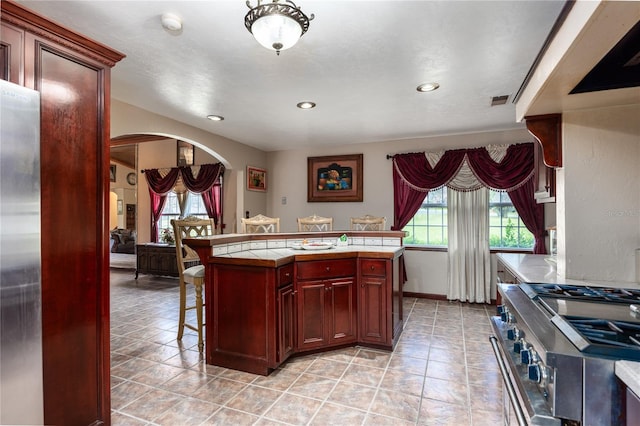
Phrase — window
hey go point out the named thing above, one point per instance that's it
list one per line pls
(171, 210)
(506, 229)
(429, 225)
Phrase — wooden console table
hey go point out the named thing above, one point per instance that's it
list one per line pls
(157, 259)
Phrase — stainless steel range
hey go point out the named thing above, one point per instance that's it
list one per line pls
(556, 346)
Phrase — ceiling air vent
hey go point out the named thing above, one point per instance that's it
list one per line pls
(499, 100)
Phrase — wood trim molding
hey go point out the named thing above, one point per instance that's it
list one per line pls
(547, 129)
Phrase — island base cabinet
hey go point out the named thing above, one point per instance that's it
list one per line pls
(241, 314)
(286, 322)
(326, 307)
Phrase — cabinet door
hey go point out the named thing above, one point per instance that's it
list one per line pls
(11, 48)
(311, 310)
(286, 322)
(342, 315)
(372, 302)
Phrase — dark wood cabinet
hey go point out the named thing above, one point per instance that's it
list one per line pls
(286, 323)
(326, 303)
(72, 74)
(372, 301)
(157, 259)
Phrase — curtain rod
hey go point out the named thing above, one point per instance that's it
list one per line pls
(390, 157)
(181, 167)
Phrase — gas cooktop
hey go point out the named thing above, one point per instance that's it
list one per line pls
(586, 293)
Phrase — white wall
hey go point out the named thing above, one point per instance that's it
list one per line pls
(599, 194)
(127, 120)
(426, 270)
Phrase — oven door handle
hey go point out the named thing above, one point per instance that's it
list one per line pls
(519, 412)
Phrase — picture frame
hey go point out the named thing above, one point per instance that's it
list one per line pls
(120, 210)
(185, 154)
(256, 179)
(112, 172)
(336, 178)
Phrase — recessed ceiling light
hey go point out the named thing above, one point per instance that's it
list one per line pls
(427, 87)
(306, 105)
(215, 117)
(171, 22)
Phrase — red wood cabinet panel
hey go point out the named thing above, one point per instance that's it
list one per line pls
(72, 75)
(326, 307)
(286, 323)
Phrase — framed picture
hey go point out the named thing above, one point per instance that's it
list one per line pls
(334, 178)
(119, 206)
(112, 172)
(256, 179)
(185, 154)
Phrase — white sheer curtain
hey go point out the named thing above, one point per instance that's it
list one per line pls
(469, 267)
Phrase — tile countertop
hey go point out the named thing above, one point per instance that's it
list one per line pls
(277, 253)
(537, 268)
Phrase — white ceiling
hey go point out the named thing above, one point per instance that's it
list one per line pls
(360, 61)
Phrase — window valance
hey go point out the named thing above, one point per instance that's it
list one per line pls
(197, 179)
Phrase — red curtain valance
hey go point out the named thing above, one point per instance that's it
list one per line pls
(207, 177)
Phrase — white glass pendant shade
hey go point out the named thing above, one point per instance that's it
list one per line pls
(276, 32)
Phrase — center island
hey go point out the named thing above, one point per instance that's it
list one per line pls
(267, 298)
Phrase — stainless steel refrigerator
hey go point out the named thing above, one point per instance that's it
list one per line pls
(21, 390)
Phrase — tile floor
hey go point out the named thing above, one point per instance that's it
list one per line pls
(442, 371)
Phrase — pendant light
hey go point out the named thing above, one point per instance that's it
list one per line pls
(276, 25)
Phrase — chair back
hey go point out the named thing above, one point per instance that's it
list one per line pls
(368, 223)
(260, 224)
(189, 227)
(315, 223)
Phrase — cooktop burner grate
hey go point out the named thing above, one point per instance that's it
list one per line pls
(602, 337)
(586, 293)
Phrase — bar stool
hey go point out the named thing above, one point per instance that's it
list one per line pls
(191, 227)
(315, 223)
(260, 224)
(368, 223)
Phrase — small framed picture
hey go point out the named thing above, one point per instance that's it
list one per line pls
(112, 172)
(334, 178)
(256, 179)
(185, 153)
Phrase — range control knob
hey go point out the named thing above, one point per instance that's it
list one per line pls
(528, 356)
(519, 346)
(538, 373)
(513, 333)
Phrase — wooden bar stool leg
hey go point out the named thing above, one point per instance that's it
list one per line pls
(183, 308)
(199, 306)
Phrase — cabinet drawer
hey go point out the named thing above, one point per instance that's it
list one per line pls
(326, 269)
(373, 267)
(285, 275)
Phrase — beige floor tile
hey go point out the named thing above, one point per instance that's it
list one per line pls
(254, 400)
(332, 414)
(327, 368)
(396, 404)
(227, 416)
(395, 380)
(446, 391)
(361, 374)
(352, 395)
(126, 392)
(187, 412)
(219, 390)
(152, 404)
(486, 418)
(355, 385)
(293, 409)
(434, 412)
(312, 386)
